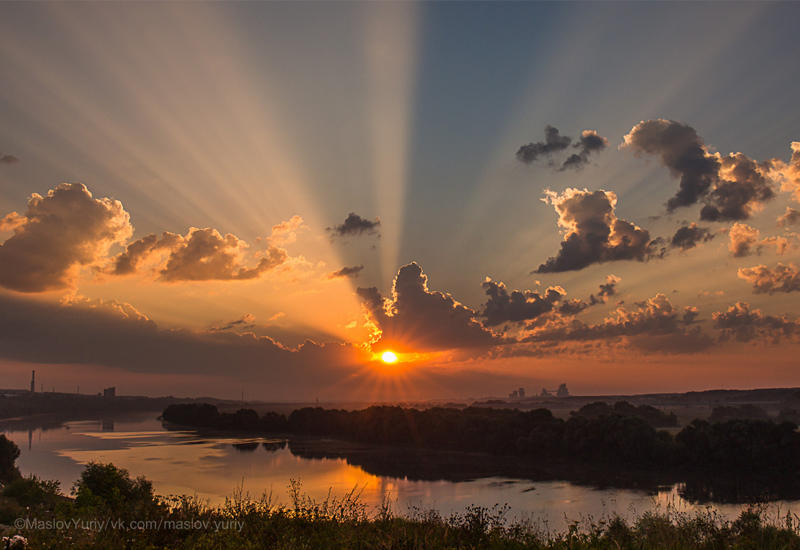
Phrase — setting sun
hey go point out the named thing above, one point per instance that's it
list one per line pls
(389, 357)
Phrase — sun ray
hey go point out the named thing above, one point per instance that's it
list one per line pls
(391, 50)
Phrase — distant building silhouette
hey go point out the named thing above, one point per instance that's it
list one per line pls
(110, 392)
(33, 381)
(562, 391)
(521, 393)
(513, 395)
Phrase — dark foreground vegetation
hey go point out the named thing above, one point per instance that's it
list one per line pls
(598, 433)
(110, 510)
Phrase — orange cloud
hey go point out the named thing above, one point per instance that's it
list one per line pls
(59, 233)
(201, 255)
(783, 278)
(741, 324)
(745, 241)
(286, 232)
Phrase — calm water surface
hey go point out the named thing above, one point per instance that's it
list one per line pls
(183, 462)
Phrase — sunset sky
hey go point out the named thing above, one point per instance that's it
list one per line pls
(210, 198)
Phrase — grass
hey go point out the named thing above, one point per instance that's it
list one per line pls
(183, 522)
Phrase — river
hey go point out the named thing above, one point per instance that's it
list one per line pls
(213, 466)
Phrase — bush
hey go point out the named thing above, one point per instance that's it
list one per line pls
(106, 486)
(33, 491)
(9, 452)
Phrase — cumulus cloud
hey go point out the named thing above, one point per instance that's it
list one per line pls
(552, 143)
(11, 221)
(147, 250)
(791, 217)
(354, 225)
(418, 319)
(286, 232)
(59, 233)
(594, 234)
(606, 291)
(790, 173)
(742, 325)
(206, 255)
(346, 272)
(589, 142)
(8, 159)
(783, 278)
(516, 307)
(730, 187)
(745, 241)
(200, 255)
(655, 327)
(689, 236)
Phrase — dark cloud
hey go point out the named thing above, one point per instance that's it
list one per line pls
(354, 225)
(791, 217)
(730, 187)
(742, 325)
(589, 142)
(516, 307)
(783, 278)
(594, 233)
(606, 290)
(248, 321)
(201, 255)
(8, 159)
(743, 186)
(655, 327)
(95, 332)
(553, 143)
(59, 233)
(682, 151)
(690, 315)
(689, 235)
(345, 272)
(418, 319)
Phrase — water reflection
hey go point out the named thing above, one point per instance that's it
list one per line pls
(212, 465)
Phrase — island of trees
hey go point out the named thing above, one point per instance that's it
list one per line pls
(622, 434)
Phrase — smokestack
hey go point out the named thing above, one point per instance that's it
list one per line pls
(33, 381)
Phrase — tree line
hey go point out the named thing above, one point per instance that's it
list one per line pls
(615, 435)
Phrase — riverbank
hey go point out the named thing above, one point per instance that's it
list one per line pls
(112, 520)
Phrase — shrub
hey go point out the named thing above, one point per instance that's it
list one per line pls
(9, 452)
(109, 487)
(32, 491)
